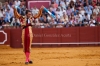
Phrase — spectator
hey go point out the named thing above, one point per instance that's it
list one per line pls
(2, 13)
(73, 22)
(71, 4)
(17, 3)
(55, 5)
(8, 15)
(64, 18)
(82, 11)
(35, 10)
(98, 6)
(86, 23)
(53, 22)
(75, 11)
(62, 4)
(80, 24)
(59, 13)
(98, 18)
(92, 23)
(15, 22)
(6, 6)
(88, 7)
(94, 16)
(86, 17)
(1, 22)
(79, 17)
(69, 11)
(96, 10)
(89, 11)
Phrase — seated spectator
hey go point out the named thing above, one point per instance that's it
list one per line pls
(89, 11)
(1, 22)
(49, 18)
(86, 17)
(44, 19)
(59, 13)
(98, 6)
(82, 11)
(67, 25)
(53, 22)
(57, 18)
(6, 6)
(86, 23)
(80, 24)
(65, 18)
(69, 11)
(63, 10)
(92, 23)
(35, 10)
(79, 17)
(73, 22)
(2, 12)
(78, 5)
(75, 11)
(8, 15)
(55, 5)
(60, 22)
(17, 3)
(15, 22)
(96, 10)
(93, 3)
(94, 16)
(88, 7)
(71, 4)
(98, 18)
(67, 2)
(62, 4)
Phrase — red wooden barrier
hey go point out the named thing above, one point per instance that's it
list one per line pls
(72, 35)
(69, 35)
(88, 34)
(15, 38)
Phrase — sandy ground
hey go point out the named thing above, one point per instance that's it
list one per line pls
(66, 56)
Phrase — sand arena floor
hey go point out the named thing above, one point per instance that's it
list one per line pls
(66, 56)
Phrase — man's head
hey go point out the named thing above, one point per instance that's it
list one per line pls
(28, 13)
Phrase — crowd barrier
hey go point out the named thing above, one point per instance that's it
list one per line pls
(53, 36)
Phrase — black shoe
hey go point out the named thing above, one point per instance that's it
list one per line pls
(30, 62)
(26, 63)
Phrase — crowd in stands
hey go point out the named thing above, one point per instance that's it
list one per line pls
(69, 13)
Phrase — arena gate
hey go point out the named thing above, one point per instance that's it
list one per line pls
(38, 3)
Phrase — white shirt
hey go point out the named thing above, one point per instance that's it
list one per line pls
(60, 13)
(1, 14)
(17, 3)
(96, 11)
(92, 25)
(35, 11)
(82, 12)
(63, 4)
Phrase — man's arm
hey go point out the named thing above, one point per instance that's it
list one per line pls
(16, 14)
(39, 13)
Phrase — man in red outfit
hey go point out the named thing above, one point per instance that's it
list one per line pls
(27, 35)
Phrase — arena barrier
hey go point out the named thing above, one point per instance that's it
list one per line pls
(53, 36)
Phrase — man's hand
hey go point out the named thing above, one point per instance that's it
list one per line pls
(42, 7)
